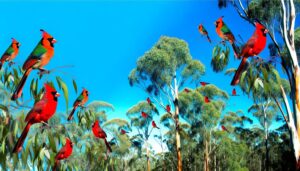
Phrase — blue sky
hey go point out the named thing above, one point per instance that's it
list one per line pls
(104, 39)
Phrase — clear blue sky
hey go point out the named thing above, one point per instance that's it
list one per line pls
(103, 40)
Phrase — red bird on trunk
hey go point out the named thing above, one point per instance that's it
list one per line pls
(63, 153)
(80, 101)
(42, 111)
(253, 47)
(168, 108)
(144, 115)
(99, 133)
(204, 83)
(154, 125)
(206, 99)
(38, 58)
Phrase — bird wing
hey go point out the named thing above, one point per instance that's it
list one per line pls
(35, 56)
(101, 132)
(204, 30)
(61, 154)
(9, 51)
(225, 30)
(37, 109)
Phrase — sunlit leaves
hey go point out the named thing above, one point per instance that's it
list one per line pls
(62, 85)
(220, 57)
(194, 70)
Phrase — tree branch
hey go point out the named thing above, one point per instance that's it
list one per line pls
(281, 111)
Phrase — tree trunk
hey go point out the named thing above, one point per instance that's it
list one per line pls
(148, 157)
(177, 123)
(267, 152)
(178, 145)
(266, 138)
(206, 157)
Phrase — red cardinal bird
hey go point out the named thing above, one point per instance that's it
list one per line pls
(152, 105)
(225, 33)
(38, 58)
(204, 32)
(80, 101)
(63, 153)
(99, 133)
(187, 90)
(203, 83)
(253, 47)
(10, 53)
(154, 125)
(224, 128)
(234, 92)
(42, 111)
(168, 108)
(144, 115)
(206, 99)
(123, 132)
(148, 100)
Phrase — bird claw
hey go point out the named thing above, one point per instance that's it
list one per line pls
(45, 125)
(42, 72)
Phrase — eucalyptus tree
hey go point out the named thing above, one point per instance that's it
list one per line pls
(141, 117)
(279, 17)
(203, 115)
(161, 72)
(265, 112)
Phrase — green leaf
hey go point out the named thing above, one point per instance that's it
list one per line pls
(41, 155)
(3, 146)
(16, 128)
(5, 109)
(75, 86)
(64, 87)
(47, 154)
(32, 88)
(52, 142)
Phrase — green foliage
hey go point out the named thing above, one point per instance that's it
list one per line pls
(264, 10)
(220, 57)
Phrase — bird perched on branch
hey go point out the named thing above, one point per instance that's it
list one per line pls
(253, 47)
(225, 33)
(80, 101)
(41, 112)
(63, 153)
(99, 133)
(39, 57)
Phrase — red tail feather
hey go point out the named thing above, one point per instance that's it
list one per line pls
(56, 163)
(18, 91)
(107, 145)
(18, 146)
(237, 75)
